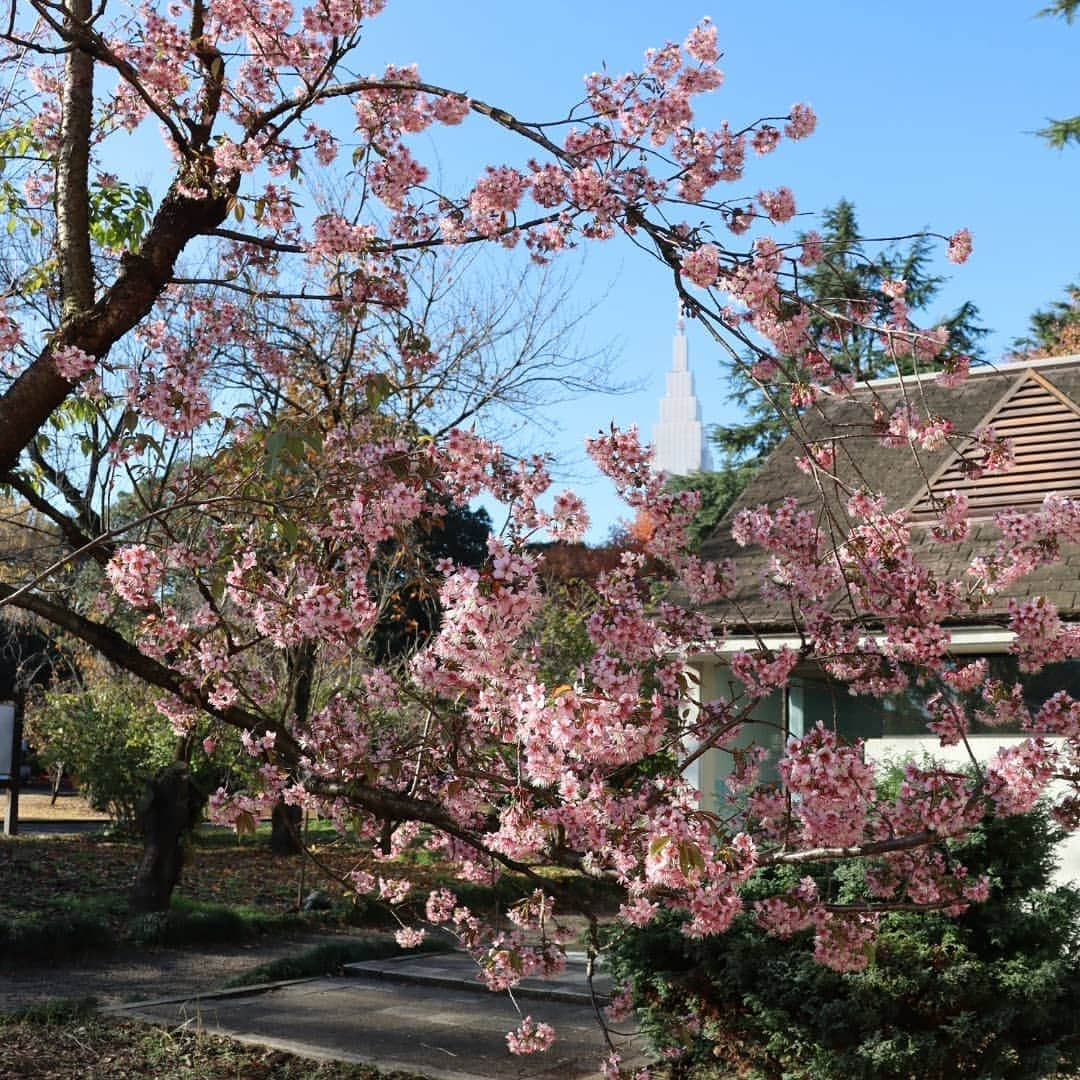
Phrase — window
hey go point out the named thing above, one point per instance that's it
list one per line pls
(816, 699)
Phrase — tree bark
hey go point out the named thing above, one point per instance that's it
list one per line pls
(73, 171)
(285, 829)
(172, 806)
(285, 820)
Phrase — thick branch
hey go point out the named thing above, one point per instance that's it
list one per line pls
(852, 851)
(40, 389)
(290, 110)
(123, 654)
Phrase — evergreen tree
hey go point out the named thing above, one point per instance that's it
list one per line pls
(1053, 331)
(847, 274)
(1060, 132)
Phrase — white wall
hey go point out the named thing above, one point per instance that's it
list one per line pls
(709, 772)
(983, 747)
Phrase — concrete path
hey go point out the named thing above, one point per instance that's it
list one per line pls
(458, 971)
(422, 1014)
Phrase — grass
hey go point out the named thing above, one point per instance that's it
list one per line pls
(63, 1039)
(66, 886)
(191, 922)
(330, 957)
(63, 896)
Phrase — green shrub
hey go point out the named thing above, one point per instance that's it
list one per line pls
(111, 736)
(191, 922)
(53, 1012)
(992, 994)
(49, 938)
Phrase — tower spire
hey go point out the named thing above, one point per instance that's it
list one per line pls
(679, 438)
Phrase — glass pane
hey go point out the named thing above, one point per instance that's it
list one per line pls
(827, 702)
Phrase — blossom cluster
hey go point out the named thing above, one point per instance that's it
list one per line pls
(290, 588)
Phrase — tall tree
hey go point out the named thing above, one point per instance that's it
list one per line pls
(1059, 133)
(1053, 330)
(848, 280)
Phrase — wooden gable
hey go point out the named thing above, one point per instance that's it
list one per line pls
(1044, 426)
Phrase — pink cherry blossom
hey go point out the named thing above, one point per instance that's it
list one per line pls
(959, 246)
(530, 1037)
(702, 266)
(135, 573)
(71, 362)
(779, 205)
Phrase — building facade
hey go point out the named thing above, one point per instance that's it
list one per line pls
(1037, 406)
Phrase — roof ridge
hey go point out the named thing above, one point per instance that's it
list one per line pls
(1012, 367)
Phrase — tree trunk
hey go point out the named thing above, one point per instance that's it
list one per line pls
(171, 806)
(285, 829)
(285, 820)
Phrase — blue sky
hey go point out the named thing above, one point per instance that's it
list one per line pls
(926, 113)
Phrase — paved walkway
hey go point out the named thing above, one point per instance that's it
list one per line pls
(458, 971)
(424, 1014)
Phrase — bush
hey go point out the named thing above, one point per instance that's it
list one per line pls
(53, 938)
(53, 1012)
(190, 922)
(992, 994)
(112, 737)
(63, 928)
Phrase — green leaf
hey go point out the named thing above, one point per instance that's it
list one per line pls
(377, 388)
(690, 857)
(658, 844)
(289, 532)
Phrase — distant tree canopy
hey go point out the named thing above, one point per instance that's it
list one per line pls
(1058, 133)
(27, 656)
(1053, 330)
(718, 491)
(411, 614)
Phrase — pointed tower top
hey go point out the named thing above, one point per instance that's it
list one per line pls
(680, 319)
(679, 438)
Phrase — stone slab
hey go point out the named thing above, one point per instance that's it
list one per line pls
(446, 1034)
(458, 971)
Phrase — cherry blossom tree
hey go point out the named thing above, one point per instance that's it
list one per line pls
(274, 504)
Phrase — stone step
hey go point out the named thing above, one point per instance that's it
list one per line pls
(458, 971)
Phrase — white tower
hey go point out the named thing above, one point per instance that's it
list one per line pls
(679, 445)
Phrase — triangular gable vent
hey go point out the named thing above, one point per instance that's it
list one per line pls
(1044, 426)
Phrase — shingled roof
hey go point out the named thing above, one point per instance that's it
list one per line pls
(1035, 404)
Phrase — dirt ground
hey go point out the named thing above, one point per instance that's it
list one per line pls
(139, 975)
(135, 974)
(36, 805)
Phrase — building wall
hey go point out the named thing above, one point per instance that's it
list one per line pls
(713, 681)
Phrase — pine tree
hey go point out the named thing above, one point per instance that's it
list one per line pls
(847, 272)
(1053, 331)
(1058, 133)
